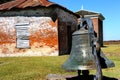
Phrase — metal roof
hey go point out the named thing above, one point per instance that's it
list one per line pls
(24, 4)
(31, 3)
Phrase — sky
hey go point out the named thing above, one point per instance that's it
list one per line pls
(110, 9)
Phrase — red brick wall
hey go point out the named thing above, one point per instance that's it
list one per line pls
(98, 27)
(101, 32)
(95, 23)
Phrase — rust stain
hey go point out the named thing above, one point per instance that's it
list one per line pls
(48, 36)
(28, 3)
(50, 40)
(53, 24)
(25, 3)
(45, 2)
(6, 37)
(9, 5)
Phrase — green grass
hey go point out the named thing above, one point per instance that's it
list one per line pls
(115, 71)
(112, 48)
(30, 68)
(36, 68)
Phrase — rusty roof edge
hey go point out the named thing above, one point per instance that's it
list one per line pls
(18, 4)
(45, 4)
(7, 4)
(25, 4)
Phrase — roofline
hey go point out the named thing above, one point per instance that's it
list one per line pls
(10, 7)
(99, 16)
(88, 11)
(96, 14)
(71, 12)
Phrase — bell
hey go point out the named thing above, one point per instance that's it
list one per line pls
(85, 54)
(81, 56)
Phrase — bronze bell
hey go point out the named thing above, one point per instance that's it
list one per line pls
(81, 57)
(84, 54)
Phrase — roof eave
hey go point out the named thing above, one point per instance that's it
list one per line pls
(20, 4)
(71, 12)
(91, 14)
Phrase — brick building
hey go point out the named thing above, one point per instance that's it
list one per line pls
(35, 27)
(97, 19)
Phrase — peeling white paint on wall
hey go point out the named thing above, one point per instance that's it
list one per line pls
(39, 27)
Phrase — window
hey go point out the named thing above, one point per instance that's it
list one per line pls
(22, 35)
